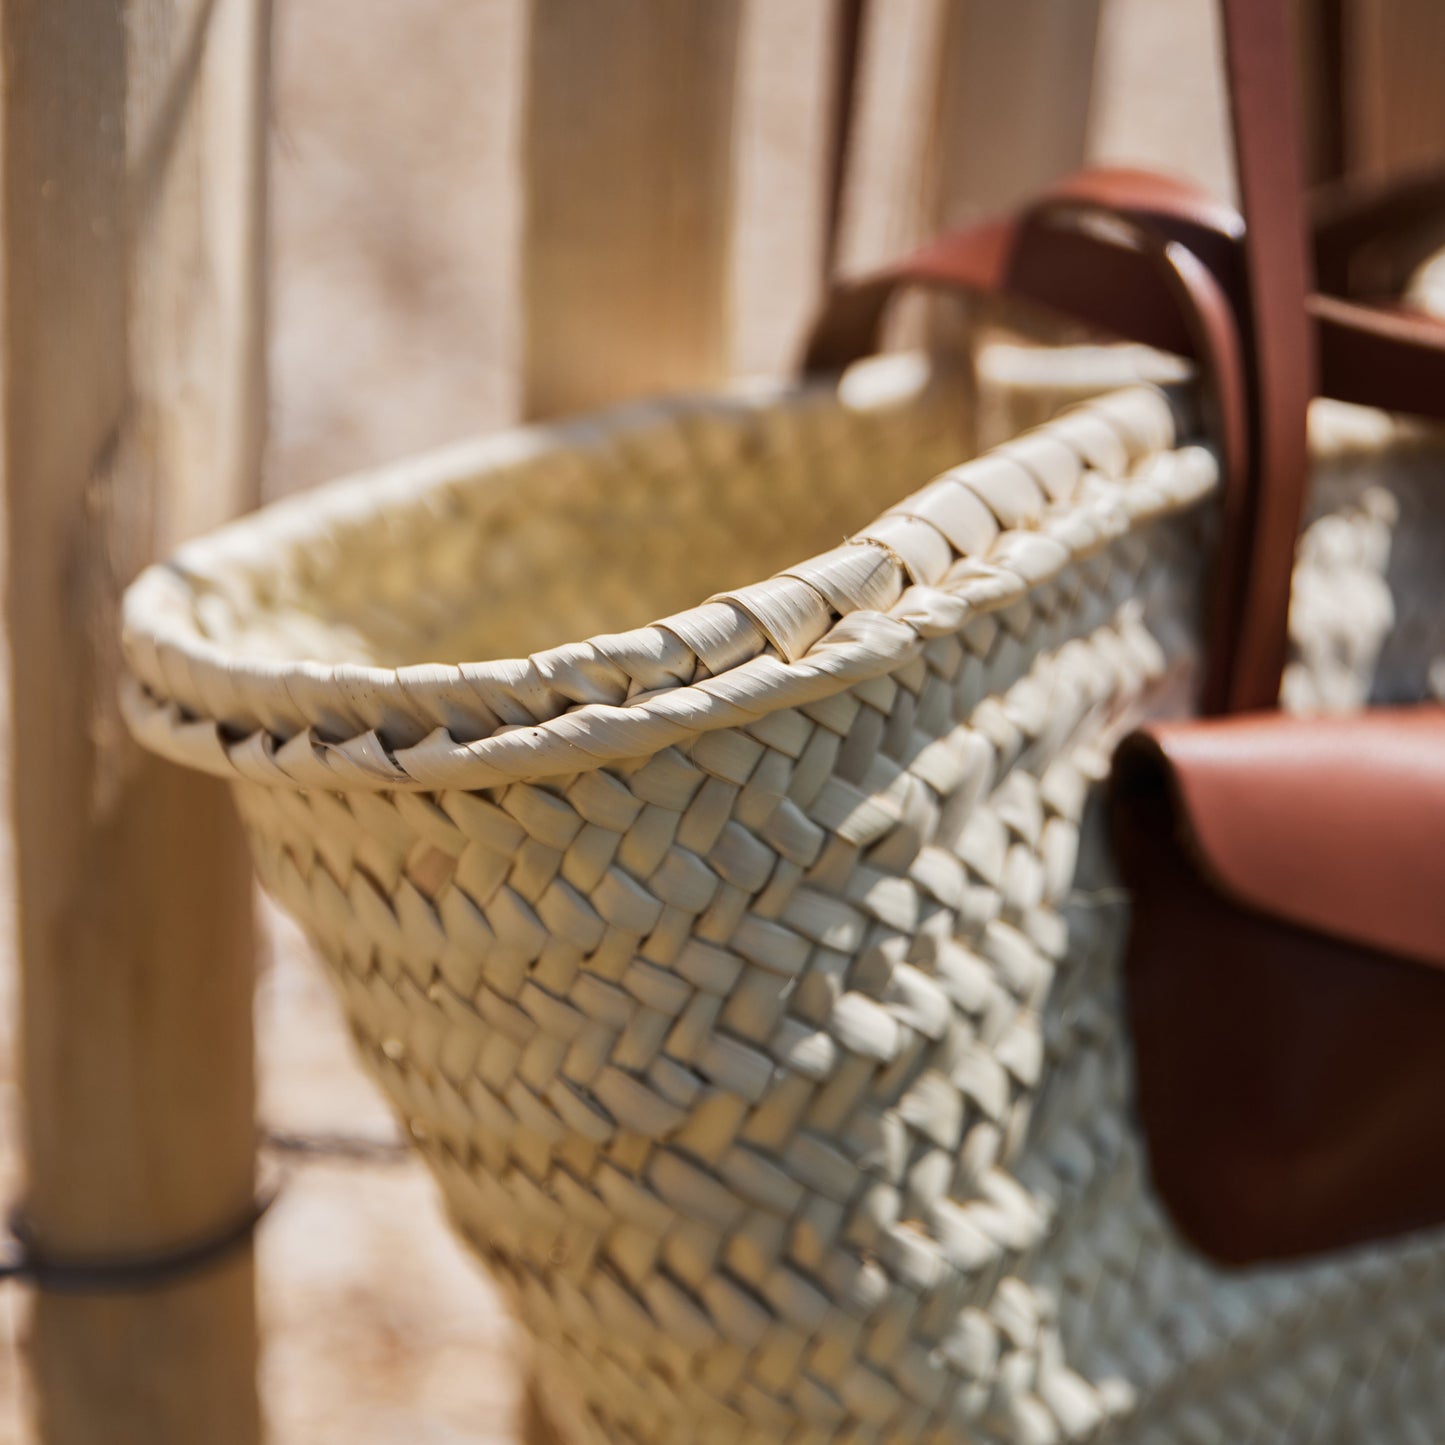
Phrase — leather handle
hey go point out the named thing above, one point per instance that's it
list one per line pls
(1280, 351)
(1293, 343)
(1100, 279)
(1121, 249)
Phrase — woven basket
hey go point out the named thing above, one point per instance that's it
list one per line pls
(749, 979)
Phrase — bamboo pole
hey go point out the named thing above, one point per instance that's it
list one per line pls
(628, 196)
(132, 139)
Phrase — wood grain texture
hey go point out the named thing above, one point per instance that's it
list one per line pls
(133, 409)
(627, 171)
(1012, 110)
(1393, 99)
(883, 183)
(783, 138)
(964, 107)
(1319, 32)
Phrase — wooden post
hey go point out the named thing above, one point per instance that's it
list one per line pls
(788, 139)
(1013, 102)
(881, 209)
(132, 360)
(627, 175)
(1319, 30)
(1394, 103)
(965, 106)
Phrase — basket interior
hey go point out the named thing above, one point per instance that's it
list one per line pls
(551, 535)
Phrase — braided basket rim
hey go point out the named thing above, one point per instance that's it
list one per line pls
(971, 541)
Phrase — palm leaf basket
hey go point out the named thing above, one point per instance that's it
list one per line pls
(749, 978)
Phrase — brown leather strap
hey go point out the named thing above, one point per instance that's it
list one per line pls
(1074, 253)
(1259, 56)
(1368, 236)
(1365, 354)
(1370, 354)
(1266, 278)
(1246, 638)
(1387, 358)
(1124, 292)
(1121, 249)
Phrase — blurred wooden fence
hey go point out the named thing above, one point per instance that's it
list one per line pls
(133, 137)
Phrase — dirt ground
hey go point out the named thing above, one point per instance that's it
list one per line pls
(377, 1326)
(393, 325)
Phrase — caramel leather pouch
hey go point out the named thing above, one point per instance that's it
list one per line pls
(1286, 974)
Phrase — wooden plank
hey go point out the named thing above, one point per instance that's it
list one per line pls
(845, 53)
(1012, 111)
(626, 246)
(1159, 97)
(1394, 102)
(627, 175)
(965, 106)
(133, 393)
(882, 209)
(1319, 27)
(783, 134)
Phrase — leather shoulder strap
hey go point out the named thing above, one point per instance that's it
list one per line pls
(1018, 256)
(1259, 55)
(1121, 250)
(1370, 355)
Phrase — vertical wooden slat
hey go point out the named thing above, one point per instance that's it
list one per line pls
(1394, 101)
(845, 54)
(132, 362)
(627, 149)
(1319, 26)
(895, 97)
(627, 179)
(783, 134)
(965, 106)
(1159, 97)
(1012, 110)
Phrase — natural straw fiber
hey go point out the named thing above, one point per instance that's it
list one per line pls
(749, 978)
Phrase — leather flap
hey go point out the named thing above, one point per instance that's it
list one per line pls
(1333, 824)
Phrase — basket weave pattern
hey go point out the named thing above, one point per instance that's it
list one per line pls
(750, 981)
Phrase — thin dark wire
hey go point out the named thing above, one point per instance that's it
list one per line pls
(113, 1274)
(357, 1148)
(22, 1262)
